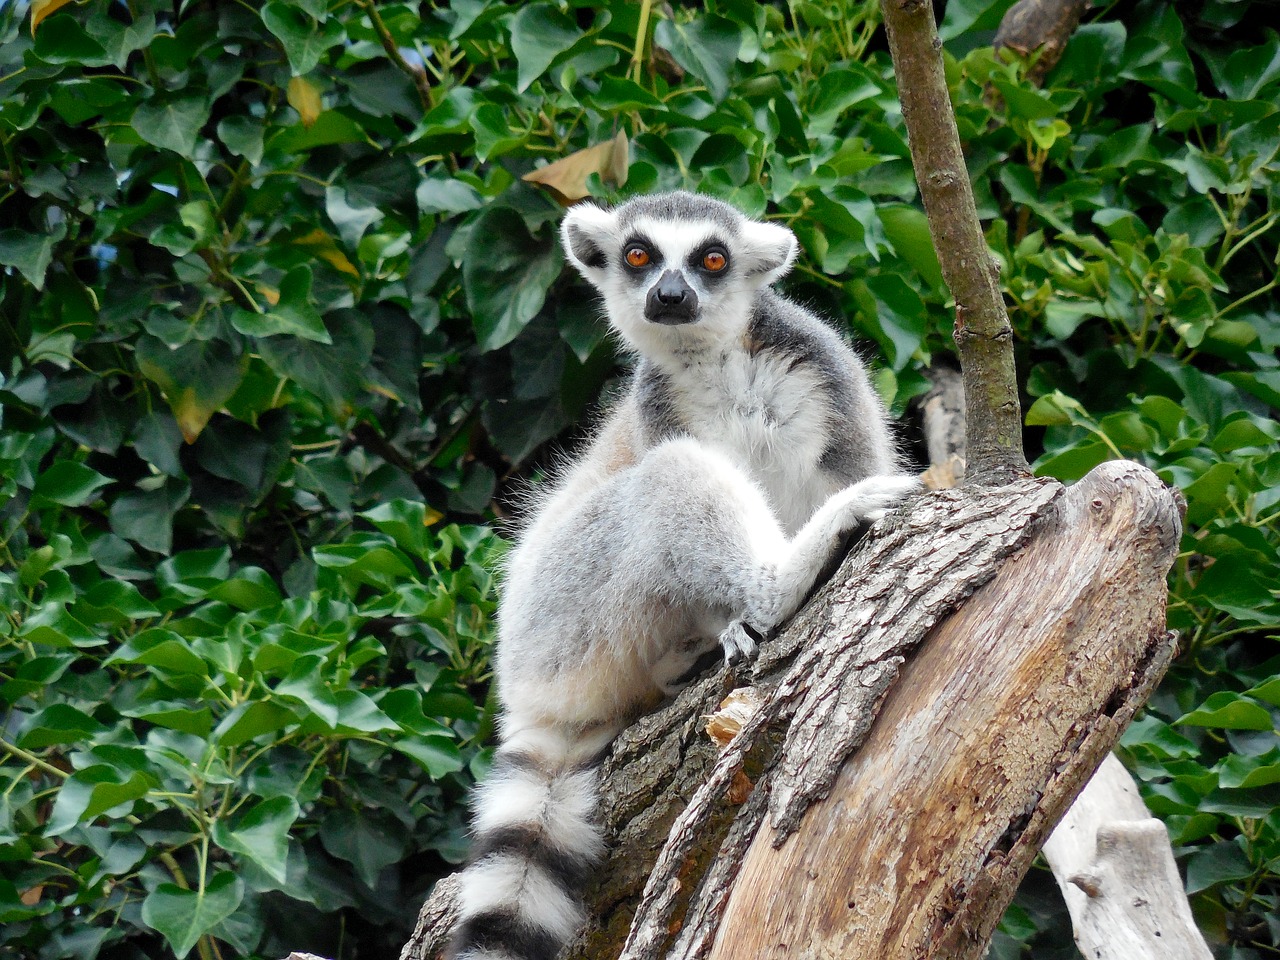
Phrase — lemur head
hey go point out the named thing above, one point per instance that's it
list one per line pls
(676, 270)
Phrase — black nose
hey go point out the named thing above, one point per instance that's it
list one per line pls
(671, 300)
(672, 289)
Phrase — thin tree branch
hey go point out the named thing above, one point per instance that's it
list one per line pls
(983, 335)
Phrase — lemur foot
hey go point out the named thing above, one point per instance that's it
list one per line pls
(872, 498)
(739, 645)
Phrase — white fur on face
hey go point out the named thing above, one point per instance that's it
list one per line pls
(724, 305)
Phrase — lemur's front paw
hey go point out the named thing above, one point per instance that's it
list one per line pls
(875, 496)
(738, 643)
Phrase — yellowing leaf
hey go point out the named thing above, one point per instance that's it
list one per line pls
(269, 294)
(191, 413)
(44, 8)
(304, 96)
(567, 177)
(323, 246)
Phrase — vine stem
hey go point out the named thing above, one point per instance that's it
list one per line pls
(32, 759)
(642, 34)
(417, 74)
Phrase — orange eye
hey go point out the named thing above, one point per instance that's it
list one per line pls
(637, 257)
(715, 261)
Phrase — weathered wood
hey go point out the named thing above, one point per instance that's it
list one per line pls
(942, 412)
(980, 747)
(1082, 604)
(1115, 867)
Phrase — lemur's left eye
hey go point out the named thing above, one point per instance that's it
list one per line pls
(714, 260)
(637, 256)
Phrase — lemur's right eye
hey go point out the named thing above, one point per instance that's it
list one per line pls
(637, 257)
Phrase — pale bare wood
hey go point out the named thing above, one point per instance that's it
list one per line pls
(1115, 867)
(942, 413)
(1152, 918)
(991, 730)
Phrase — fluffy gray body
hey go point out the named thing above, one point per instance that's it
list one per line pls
(748, 446)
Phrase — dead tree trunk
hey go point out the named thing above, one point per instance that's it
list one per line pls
(1041, 28)
(1115, 867)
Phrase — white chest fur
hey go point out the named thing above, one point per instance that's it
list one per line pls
(768, 416)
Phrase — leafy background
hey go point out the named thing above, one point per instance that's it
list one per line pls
(281, 322)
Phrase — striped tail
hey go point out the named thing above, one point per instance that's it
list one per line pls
(535, 848)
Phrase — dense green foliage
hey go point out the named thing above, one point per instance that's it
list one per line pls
(279, 320)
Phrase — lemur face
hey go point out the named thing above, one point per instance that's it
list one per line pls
(675, 266)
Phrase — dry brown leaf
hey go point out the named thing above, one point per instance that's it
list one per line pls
(323, 246)
(567, 177)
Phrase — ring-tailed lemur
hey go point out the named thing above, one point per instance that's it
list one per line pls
(749, 444)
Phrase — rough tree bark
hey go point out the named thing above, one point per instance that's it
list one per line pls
(969, 826)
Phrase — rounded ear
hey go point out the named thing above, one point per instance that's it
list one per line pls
(768, 250)
(587, 233)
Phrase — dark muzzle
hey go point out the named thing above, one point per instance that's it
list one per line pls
(671, 300)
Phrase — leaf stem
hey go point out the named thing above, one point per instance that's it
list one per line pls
(30, 758)
(417, 74)
(642, 34)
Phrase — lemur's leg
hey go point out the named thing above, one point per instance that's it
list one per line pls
(718, 548)
(816, 542)
(808, 554)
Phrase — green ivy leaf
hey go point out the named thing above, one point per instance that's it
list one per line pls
(1218, 863)
(506, 279)
(243, 136)
(295, 313)
(405, 521)
(369, 843)
(539, 34)
(436, 755)
(197, 378)
(707, 47)
(30, 253)
(69, 483)
(1228, 711)
(305, 41)
(93, 791)
(1246, 773)
(262, 835)
(251, 720)
(62, 39)
(172, 123)
(183, 916)
(146, 516)
(908, 230)
(59, 723)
